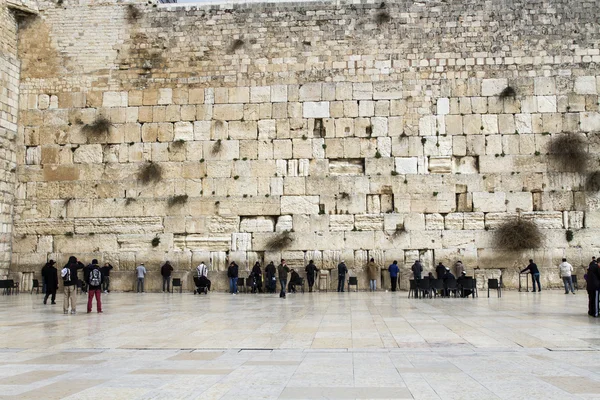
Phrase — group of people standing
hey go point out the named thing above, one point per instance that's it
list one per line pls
(95, 280)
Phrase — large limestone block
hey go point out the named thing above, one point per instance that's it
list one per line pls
(300, 204)
(375, 166)
(118, 225)
(228, 112)
(586, 85)
(196, 242)
(442, 202)
(257, 224)
(493, 87)
(217, 224)
(285, 223)
(544, 86)
(183, 131)
(87, 243)
(319, 109)
(241, 242)
(114, 99)
(387, 90)
(434, 221)
(359, 240)
(440, 165)
(366, 222)
(522, 201)
(426, 239)
(454, 239)
(43, 226)
(489, 202)
(590, 121)
(454, 221)
(252, 206)
(474, 221)
(546, 219)
(88, 154)
(310, 92)
(465, 165)
(243, 130)
(406, 165)
(341, 222)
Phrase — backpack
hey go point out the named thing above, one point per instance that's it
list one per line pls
(66, 274)
(95, 277)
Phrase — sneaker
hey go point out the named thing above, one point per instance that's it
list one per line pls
(106, 292)
(234, 294)
(44, 301)
(89, 312)
(73, 312)
(53, 302)
(99, 312)
(533, 291)
(573, 292)
(65, 312)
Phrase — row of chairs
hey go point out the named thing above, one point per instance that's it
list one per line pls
(9, 286)
(438, 287)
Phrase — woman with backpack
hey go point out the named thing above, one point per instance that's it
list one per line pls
(95, 286)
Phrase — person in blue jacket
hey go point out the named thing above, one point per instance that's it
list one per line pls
(394, 270)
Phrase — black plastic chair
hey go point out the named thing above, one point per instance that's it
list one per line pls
(176, 283)
(412, 288)
(241, 284)
(4, 285)
(467, 284)
(424, 287)
(574, 279)
(36, 286)
(450, 286)
(494, 284)
(437, 287)
(352, 280)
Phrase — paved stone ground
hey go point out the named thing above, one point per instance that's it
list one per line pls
(309, 346)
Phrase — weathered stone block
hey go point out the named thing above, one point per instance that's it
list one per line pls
(369, 222)
(315, 109)
(300, 204)
(489, 202)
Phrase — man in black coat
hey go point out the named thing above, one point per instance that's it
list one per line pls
(50, 276)
(311, 273)
(342, 271)
(270, 278)
(440, 270)
(295, 279)
(593, 289)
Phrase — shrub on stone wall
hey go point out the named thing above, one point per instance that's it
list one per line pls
(216, 148)
(592, 182)
(518, 234)
(236, 45)
(133, 13)
(508, 92)
(382, 17)
(569, 151)
(178, 200)
(279, 241)
(100, 125)
(150, 172)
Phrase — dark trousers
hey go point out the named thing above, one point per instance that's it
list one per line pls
(536, 278)
(106, 284)
(394, 280)
(283, 282)
(341, 279)
(166, 283)
(417, 276)
(593, 299)
(50, 292)
(311, 282)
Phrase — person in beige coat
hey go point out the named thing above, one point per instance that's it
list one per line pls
(372, 272)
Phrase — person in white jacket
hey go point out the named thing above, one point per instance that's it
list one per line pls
(565, 271)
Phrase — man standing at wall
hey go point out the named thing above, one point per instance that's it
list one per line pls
(372, 271)
(311, 273)
(342, 271)
(69, 275)
(232, 274)
(50, 276)
(141, 274)
(566, 270)
(282, 271)
(535, 275)
(105, 271)
(95, 286)
(417, 270)
(166, 271)
(394, 270)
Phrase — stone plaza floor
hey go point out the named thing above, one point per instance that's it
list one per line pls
(308, 346)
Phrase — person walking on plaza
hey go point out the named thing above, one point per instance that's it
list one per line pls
(50, 276)
(372, 272)
(257, 276)
(593, 288)
(342, 271)
(417, 270)
(69, 276)
(94, 287)
(282, 271)
(166, 270)
(565, 271)
(232, 274)
(311, 274)
(141, 272)
(105, 271)
(535, 275)
(271, 278)
(394, 270)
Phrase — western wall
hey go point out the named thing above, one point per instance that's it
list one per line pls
(319, 130)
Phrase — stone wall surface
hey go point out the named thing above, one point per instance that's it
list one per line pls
(204, 133)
